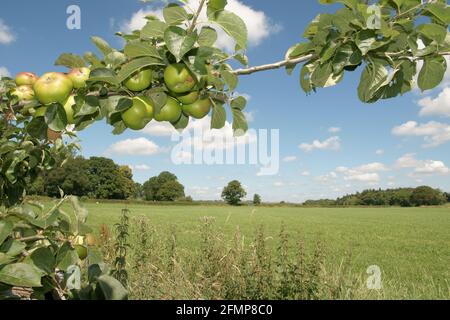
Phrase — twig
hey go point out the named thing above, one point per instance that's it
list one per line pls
(197, 14)
(276, 65)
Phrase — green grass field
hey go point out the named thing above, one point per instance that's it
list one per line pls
(410, 245)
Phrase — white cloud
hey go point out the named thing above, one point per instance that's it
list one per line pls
(334, 130)
(289, 159)
(140, 167)
(422, 167)
(200, 136)
(333, 143)
(379, 152)
(159, 129)
(6, 35)
(439, 106)
(368, 173)
(327, 177)
(258, 24)
(279, 184)
(305, 173)
(4, 72)
(135, 147)
(434, 133)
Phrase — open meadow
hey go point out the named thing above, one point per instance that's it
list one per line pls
(260, 252)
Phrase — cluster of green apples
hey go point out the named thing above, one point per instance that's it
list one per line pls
(184, 97)
(52, 87)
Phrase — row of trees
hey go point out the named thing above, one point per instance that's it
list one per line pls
(101, 178)
(405, 197)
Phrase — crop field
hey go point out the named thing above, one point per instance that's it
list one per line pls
(409, 245)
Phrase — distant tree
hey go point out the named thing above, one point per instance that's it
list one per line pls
(256, 199)
(164, 187)
(138, 191)
(150, 189)
(126, 181)
(170, 191)
(233, 193)
(447, 195)
(107, 180)
(427, 196)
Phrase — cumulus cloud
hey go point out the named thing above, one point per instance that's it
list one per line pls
(422, 167)
(258, 24)
(134, 147)
(4, 72)
(305, 173)
(289, 159)
(439, 106)
(368, 173)
(434, 133)
(6, 35)
(333, 144)
(159, 129)
(327, 177)
(379, 152)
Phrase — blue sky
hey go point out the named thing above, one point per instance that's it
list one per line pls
(330, 143)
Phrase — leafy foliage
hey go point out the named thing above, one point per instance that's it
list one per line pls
(233, 193)
(164, 187)
(387, 39)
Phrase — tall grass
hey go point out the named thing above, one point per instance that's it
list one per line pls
(239, 268)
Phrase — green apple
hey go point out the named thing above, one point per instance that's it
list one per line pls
(189, 98)
(140, 81)
(139, 115)
(53, 87)
(24, 93)
(26, 79)
(178, 78)
(79, 76)
(68, 107)
(171, 111)
(82, 251)
(199, 109)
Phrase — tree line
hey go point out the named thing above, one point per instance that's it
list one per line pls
(102, 178)
(404, 197)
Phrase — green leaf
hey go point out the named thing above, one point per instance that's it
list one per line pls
(43, 259)
(66, 257)
(230, 79)
(440, 11)
(234, 26)
(102, 45)
(135, 65)
(219, 116)
(70, 61)
(174, 14)
(103, 75)
(37, 128)
(136, 49)
(6, 228)
(433, 32)
(207, 37)
(111, 288)
(179, 42)
(240, 125)
(239, 103)
(20, 274)
(154, 29)
(56, 117)
(432, 72)
(182, 123)
(374, 76)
